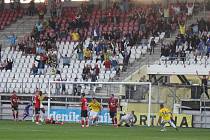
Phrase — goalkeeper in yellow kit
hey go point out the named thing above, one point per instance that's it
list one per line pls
(165, 116)
(95, 108)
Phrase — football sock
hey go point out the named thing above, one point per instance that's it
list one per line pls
(115, 120)
(112, 121)
(82, 122)
(173, 125)
(86, 122)
(37, 118)
(14, 115)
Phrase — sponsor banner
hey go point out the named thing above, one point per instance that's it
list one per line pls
(73, 115)
(180, 120)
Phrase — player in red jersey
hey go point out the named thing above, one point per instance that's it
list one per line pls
(113, 104)
(51, 121)
(37, 102)
(14, 104)
(84, 111)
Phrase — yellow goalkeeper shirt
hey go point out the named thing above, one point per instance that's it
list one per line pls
(165, 113)
(96, 107)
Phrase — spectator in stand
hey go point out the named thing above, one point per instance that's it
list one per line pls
(107, 64)
(9, 64)
(12, 40)
(202, 25)
(57, 87)
(31, 8)
(34, 70)
(79, 49)
(87, 54)
(190, 8)
(75, 87)
(4, 64)
(53, 9)
(0, 51)
(95, 33)
(114, 62)
(39, 27)
(126, 57)
(182, 29)
(75, 36)
(41, 11)
(63, 86)
(204, 84)
(66, 61)
(41, 64)
(96, 69)
(93, 76)
(152, 46)
(85, 73)
(58, 7)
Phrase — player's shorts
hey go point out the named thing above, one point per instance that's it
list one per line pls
(166, 121)
(93, 114)
(84, 113)
(124, 119)
(112, 114)
(37, 110)
(14, 108)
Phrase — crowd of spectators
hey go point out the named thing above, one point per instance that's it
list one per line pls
(6, 64)
(112, 32)
(194, 40)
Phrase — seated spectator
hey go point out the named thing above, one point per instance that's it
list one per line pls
(107, 64)
(9, 64)
(34, 70)
(12, 40)
(79, 49)
(4, 64)
(87, 54)
(66, 61)
(114, 63)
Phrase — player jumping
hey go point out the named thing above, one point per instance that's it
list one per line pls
(26, 110)
(84, 111)
(128, 119)
(95, 108)
(165, 116)
(14, 104)
(113, 104)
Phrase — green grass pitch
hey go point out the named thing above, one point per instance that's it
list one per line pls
(10, 130)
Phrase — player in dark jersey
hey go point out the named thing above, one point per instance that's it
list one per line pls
(113, 104)
(26, 110)
(14, 104)
(84, 111)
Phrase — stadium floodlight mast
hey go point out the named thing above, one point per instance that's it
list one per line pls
(105, 83)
